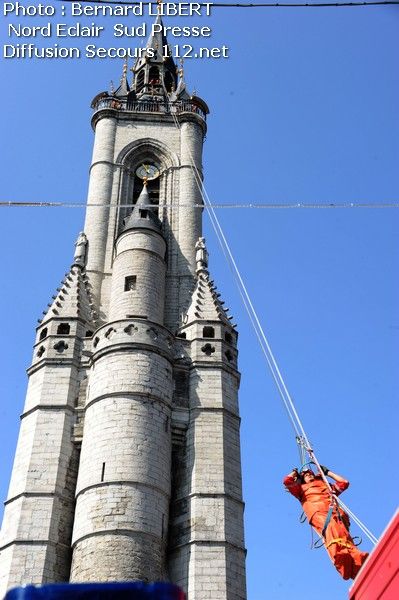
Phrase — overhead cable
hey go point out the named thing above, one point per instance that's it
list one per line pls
(253, 5)
(252, 205)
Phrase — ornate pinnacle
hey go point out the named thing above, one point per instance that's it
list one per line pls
(124, 71)
(181, 70)
(201, 255)
(79, 258)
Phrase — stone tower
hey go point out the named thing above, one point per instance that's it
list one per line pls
(128, 459)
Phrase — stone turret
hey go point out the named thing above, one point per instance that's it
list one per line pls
(138, 276)
(208, 502)
(39, 511)
(123, 488)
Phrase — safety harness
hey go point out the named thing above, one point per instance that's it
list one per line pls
(303, 449)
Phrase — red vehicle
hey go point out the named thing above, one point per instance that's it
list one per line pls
(379, 578)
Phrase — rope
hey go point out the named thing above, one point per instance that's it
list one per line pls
(242, 290)
(301, 450)
(358, 522)
(339, 541)
(260, 334)
(277, 376)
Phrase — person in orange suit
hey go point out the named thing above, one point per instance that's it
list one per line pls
(316, 499)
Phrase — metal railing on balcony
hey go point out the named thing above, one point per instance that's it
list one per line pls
(148, 106)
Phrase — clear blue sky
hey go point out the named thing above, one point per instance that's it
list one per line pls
(303, 111)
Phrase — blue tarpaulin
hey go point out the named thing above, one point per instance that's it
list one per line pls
(97, 591)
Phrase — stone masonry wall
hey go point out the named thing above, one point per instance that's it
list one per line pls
(38, 517)
(100, 188)
(208, 555)
(120, 146)
(139, 254)
(123, 488)
(190, 216)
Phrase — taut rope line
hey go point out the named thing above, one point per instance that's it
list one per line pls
(260, 334)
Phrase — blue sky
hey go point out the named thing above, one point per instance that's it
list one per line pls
(303, 111)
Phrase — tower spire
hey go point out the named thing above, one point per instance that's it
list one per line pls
(142, 216)
(155, 69)
(123, 90)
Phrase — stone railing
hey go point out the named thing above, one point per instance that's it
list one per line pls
(148, 106)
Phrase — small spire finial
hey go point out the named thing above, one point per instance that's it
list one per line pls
(181, 70)
(201, 255)
(79, 258)
(159, 7)
(111, 85)
(124, 70)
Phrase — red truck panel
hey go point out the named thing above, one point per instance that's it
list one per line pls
(379, 577)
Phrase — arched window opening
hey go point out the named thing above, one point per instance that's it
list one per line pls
(229, 356)
(153, 192)
(152, 188)
(153, 77)
(140, 80)
(43, 334)
(228, 337)
(208, 332)
(63, 328)
(169, 82)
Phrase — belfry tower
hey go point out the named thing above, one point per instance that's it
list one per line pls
(128, 460)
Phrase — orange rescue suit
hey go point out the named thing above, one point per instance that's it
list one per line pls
(316, 501)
